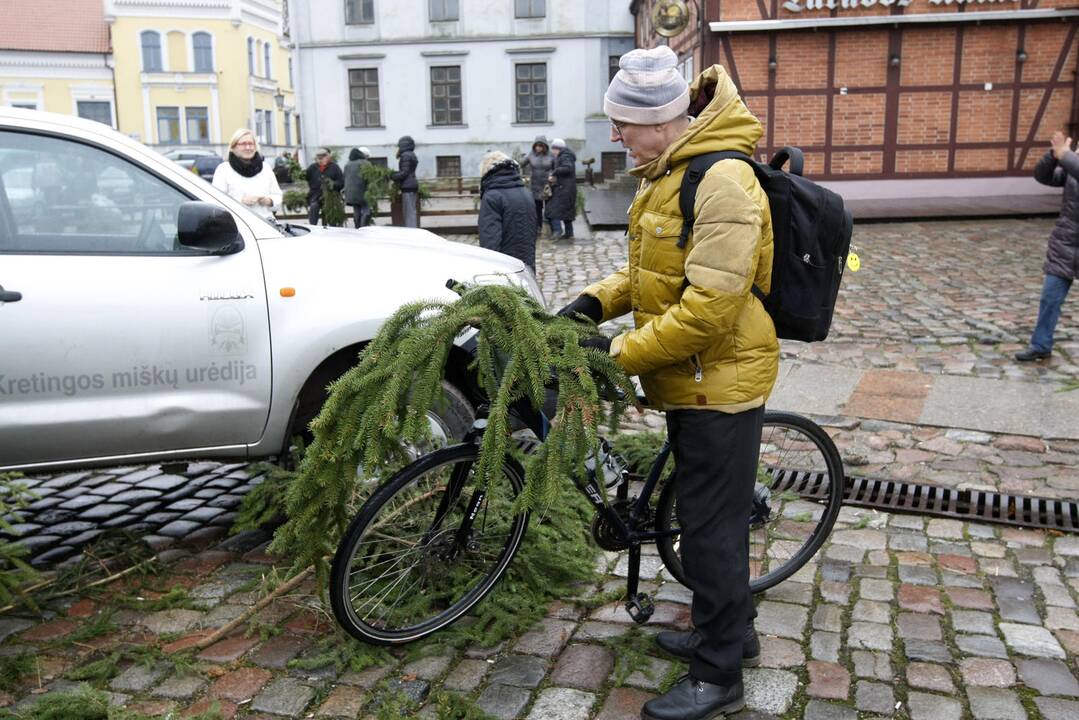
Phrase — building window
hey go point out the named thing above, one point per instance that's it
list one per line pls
(363, 97)
(151, 51)
(359, 12)
(612, 163)
(291, 82)
(380, 161)
(266, 60)
(198, 125)
(168, 125)
(531, 92)
(446, 95)
(24, 105)
(530, 8)
(250, 56)
(448, 166)
(288, 128)
(612, 67)
(267, 127)
(443, 10)
(685, 67)
(202, 44)
(99, 110)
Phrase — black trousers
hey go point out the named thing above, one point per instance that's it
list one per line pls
(539, 215)
(314, 207)
(715, 457)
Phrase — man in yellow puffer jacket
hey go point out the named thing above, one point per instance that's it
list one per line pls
(703, 345)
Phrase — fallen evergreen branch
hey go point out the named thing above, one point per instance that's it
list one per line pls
(383, 401)
(15, 573)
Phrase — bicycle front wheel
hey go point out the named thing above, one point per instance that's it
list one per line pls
(798, 493)
(427, 546)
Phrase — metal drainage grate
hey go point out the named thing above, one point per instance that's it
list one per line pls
(922, 499)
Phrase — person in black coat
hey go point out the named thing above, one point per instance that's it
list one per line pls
(507, 220)
(562, 205)
(405, 177)
(323, 167)
(356, 187)
(1058, 168)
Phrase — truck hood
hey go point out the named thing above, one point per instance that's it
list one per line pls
(408, 242)
(374, 270)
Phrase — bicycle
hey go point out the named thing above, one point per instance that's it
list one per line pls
(429, 544)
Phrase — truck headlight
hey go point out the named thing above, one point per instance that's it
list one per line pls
(524, 278)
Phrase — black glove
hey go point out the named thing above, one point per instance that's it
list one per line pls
(599, 342)
(585, 305)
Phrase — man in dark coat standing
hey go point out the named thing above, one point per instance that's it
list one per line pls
(405, 177)
(1059, 168)
(562, 206)
(507, 221)
(356, 187)
(323, 167)
(539, 163)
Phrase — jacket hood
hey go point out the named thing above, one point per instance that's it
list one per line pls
(503, 174)
(722, 122)
(406, 143)
(541, 140)
(355, 154)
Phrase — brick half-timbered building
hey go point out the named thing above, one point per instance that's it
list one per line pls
(894, 89)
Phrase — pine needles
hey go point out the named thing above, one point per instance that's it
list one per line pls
(383, 402)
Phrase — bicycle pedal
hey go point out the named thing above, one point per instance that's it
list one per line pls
(640, 607)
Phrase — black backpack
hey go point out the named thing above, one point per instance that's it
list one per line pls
(811, 231)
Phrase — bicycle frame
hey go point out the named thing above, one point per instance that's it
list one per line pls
(638, 605)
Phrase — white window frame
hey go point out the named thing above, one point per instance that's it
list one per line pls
(93, 94)
(530, 10)
(266, 61)
(431, 11)
(194, 55)
(161, 54)
(375, 65)
(371, 21)
(251, 58)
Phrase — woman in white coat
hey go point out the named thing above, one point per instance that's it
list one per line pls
(246, 178)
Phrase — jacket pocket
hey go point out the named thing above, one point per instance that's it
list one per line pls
(659, 243)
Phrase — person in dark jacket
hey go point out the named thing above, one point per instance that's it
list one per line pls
(562, 206)
(356, 186)
(1059, 168)
(538, 164)
(507, 221)
(405, 177)
(323, 167)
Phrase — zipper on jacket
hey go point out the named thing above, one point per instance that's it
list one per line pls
(698, 370)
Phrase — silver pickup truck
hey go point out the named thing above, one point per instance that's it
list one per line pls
(146, 316)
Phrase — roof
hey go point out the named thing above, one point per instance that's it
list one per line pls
(55, 26)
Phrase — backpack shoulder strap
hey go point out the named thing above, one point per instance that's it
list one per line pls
(687, 194)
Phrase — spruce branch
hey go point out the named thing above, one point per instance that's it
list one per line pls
(381, 404)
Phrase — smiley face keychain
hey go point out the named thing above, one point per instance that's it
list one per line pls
(854, 263)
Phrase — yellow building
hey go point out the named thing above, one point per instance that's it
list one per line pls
(54, 56)
(189, 72)
(170, 73)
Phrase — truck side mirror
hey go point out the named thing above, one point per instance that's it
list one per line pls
(206, 226)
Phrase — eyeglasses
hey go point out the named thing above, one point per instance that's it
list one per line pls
(618, 127)
(245, 144)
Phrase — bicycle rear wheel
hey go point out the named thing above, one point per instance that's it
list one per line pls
(797, 497)
(427, 546)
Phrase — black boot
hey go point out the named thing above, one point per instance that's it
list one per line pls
(1030, 354)
(693, 699)
(684, 644)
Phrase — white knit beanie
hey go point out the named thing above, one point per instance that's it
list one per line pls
(648, 89)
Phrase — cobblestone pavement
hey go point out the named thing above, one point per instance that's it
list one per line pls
(897, 617)
(901, 617)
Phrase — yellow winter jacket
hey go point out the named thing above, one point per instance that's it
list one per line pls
(702, 339)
